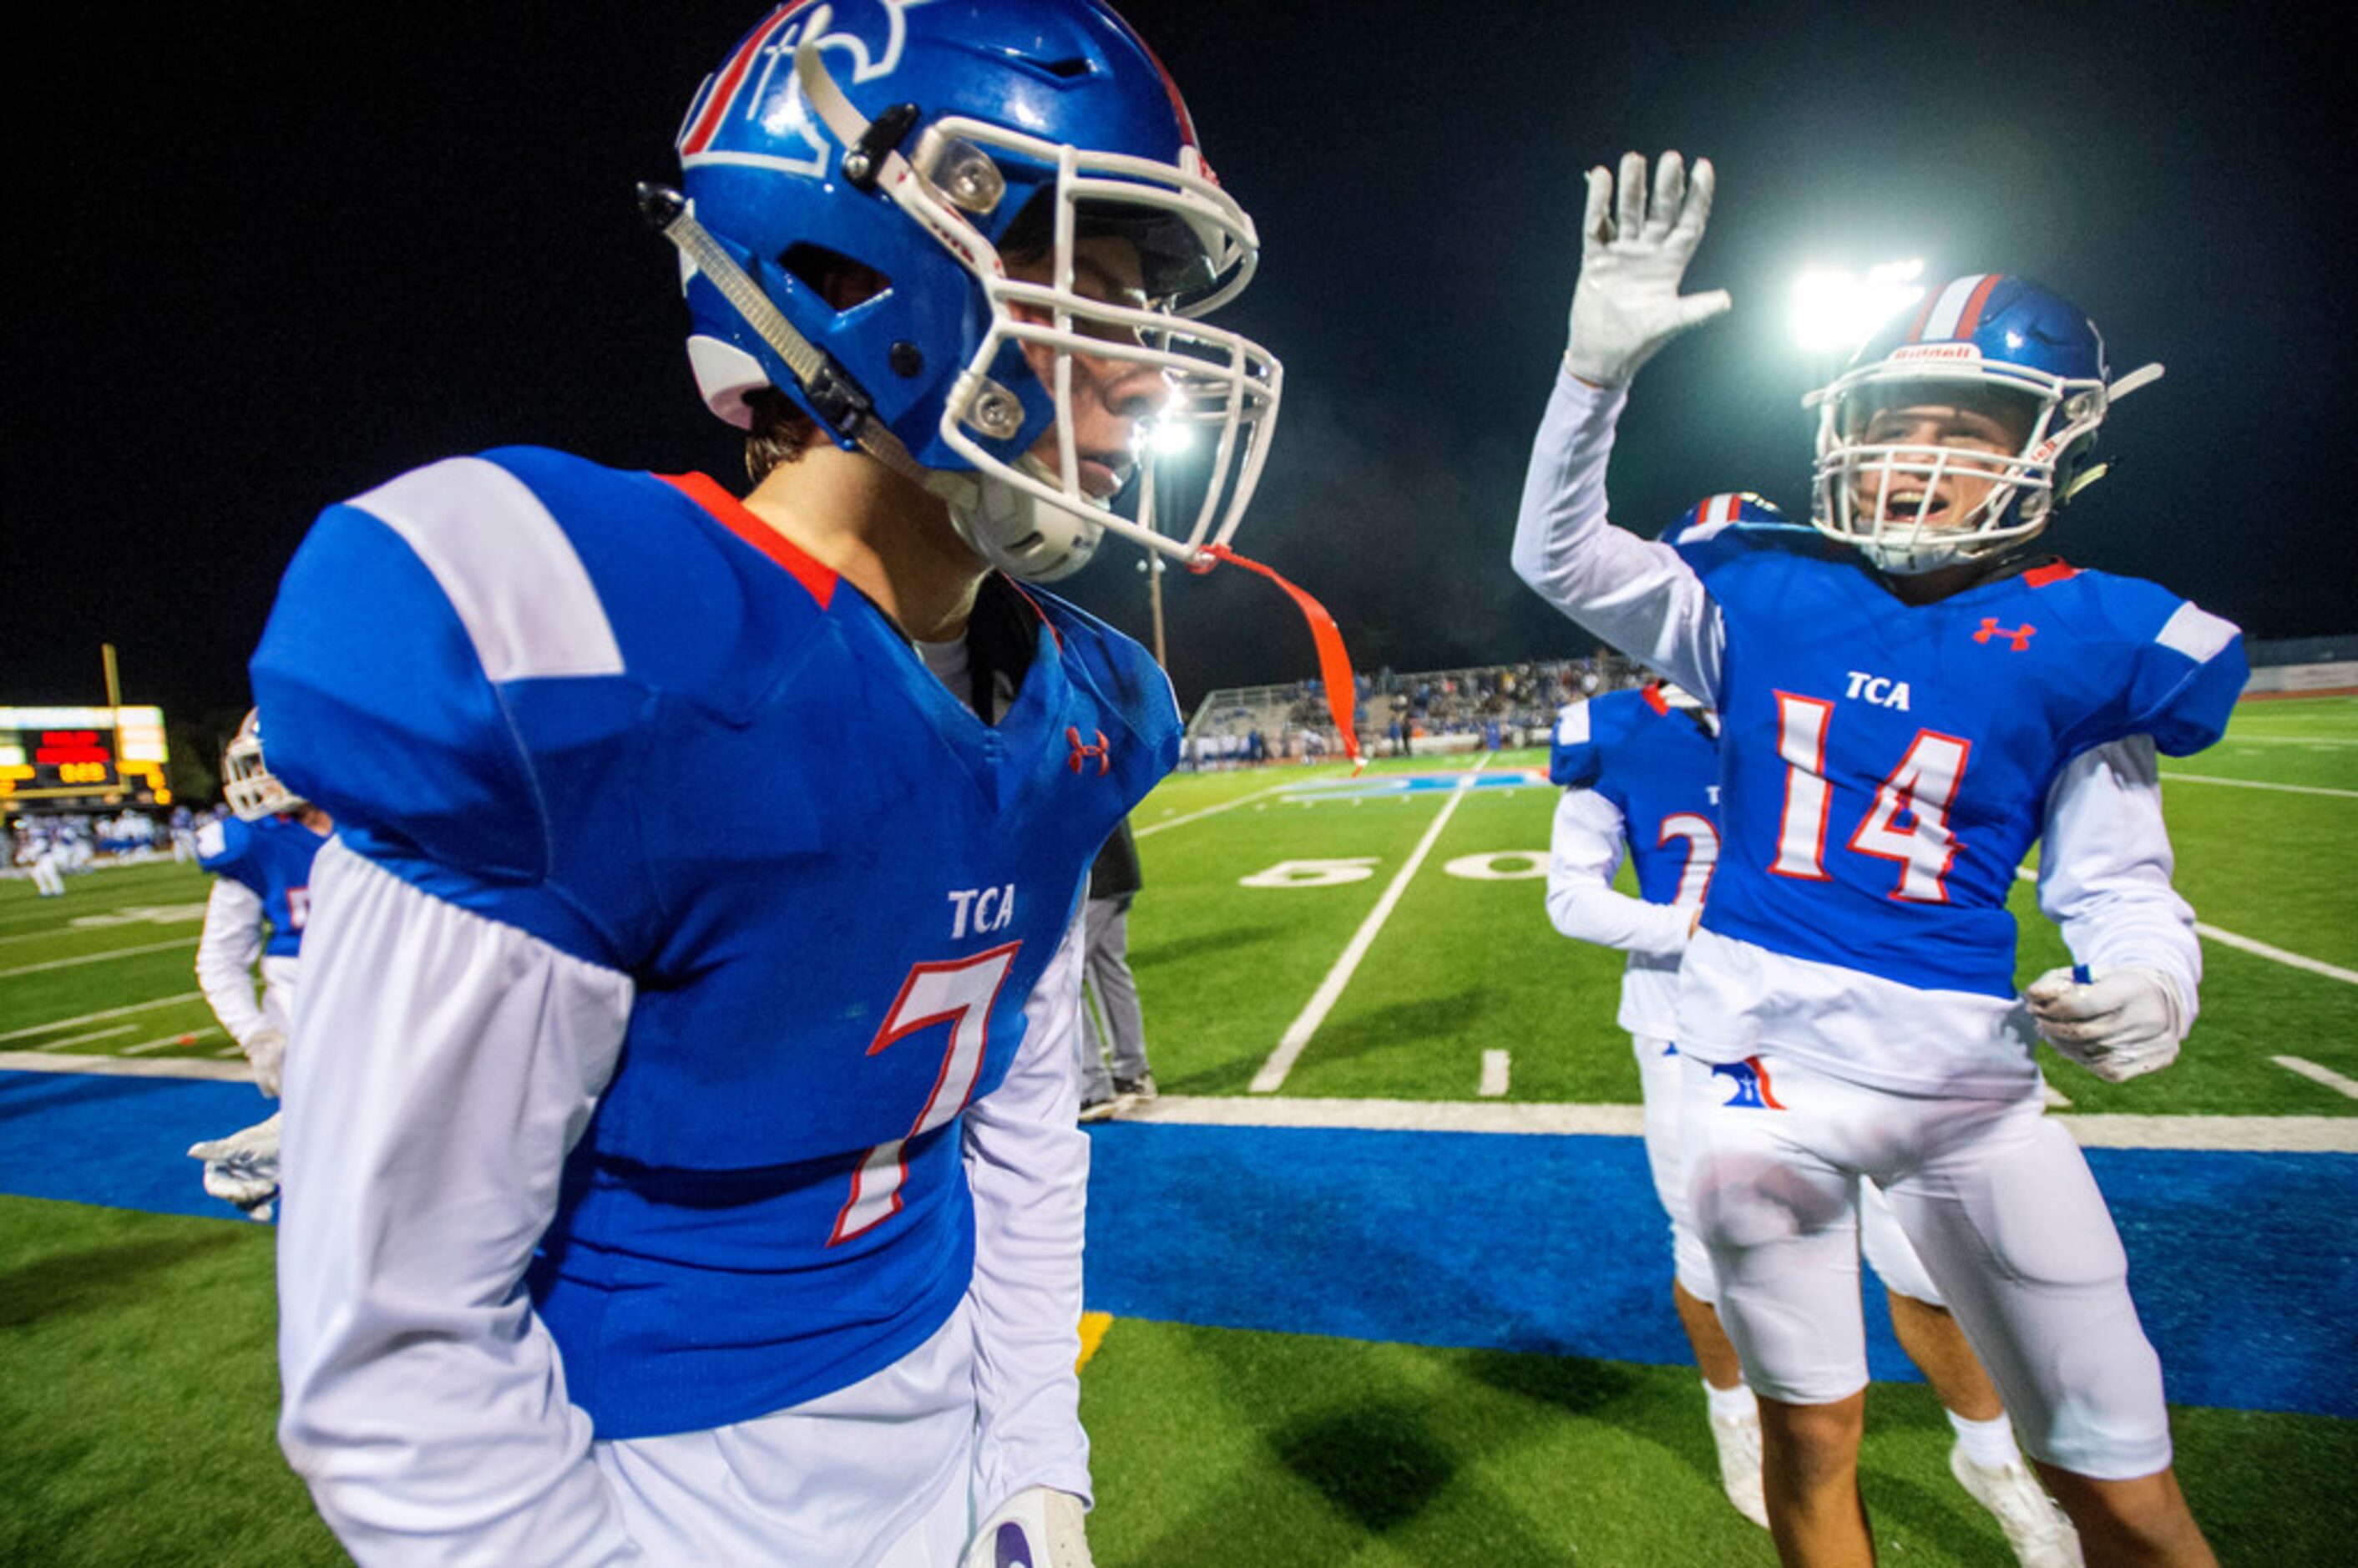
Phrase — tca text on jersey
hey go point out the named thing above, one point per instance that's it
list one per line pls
(981, 910)
(1880, 690)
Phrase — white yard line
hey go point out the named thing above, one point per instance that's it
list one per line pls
(99, 1017)
(97, 958)
(1272, 1076)
(83, 1039)
(1494, 1075)
(127, 1067)
(166, 1042)
(2289, 740)
(2310, 1070)
(2245, 944)
(1153, 827)
(2174, 777)
(2296, 1134)
(2314, 966)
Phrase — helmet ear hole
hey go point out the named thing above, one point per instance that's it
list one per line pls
(835, 277)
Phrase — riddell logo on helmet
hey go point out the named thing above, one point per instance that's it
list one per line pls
(1936, 351)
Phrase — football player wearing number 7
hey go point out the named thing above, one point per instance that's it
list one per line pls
(703, 1187)
(1906, 711)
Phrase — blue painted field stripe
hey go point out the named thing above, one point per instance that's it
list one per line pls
(2243, 1265)
(120, 1142)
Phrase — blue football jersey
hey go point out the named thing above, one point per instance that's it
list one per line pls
(1885, 767)
(621, 713)
(273, 858)
(1658, 765)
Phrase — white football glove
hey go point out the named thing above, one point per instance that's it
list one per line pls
(1036, 1527)
(2117, 1023)
(266, 1049)
(243, 1168)
(1632, 256)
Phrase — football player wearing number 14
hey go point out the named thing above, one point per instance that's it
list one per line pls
(679, 1190)
(1906, 710)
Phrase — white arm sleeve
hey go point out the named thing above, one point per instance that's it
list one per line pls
(2104, 863)
(444, 1066)
(1584, 852)
(1028, 1162)
(1636, 594)
(226, 953)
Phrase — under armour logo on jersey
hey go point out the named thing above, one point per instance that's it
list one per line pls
(1751, 1079)
(1082, 750)
(2020, 636)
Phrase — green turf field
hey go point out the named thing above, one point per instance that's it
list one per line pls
(138, 1392)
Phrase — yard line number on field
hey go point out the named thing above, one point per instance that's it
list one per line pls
(1272, 1076)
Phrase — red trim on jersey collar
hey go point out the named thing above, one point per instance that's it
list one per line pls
(2052, 572)
(1024, 594)
(1654, 698)
(730, 514)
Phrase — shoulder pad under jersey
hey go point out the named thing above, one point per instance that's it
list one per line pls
(403, 617)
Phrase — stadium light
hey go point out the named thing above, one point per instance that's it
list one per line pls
(1172, 437)
(1834, 312)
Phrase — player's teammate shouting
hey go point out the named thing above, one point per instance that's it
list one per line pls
(1909, 704)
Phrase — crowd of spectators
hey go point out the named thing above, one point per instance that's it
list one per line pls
(1487, 708)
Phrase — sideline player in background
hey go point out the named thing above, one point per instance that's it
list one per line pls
(1904, 713)
(676, 1192)
(1115, 880)
(261, 860)
(1640, 773)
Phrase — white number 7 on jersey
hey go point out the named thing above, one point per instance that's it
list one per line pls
(959, 992)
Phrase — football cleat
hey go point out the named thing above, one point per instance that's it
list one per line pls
(1737, 1438)
(2038, 1529)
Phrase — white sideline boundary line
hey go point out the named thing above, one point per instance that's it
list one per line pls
(2314, 966)
(2246, 943)
(1272, 1076)
(2174, 777)
(2316, 1074)
(2268, 1134)
(2291, 1134)
(1151, 829)
(237, 1072)
(97, 958)
(100, 1017)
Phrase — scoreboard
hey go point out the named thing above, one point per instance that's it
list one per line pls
(83, 757)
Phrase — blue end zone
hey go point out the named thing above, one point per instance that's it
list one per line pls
(123, 1142)
(2243, 1264)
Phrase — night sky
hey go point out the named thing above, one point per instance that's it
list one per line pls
(270, 256)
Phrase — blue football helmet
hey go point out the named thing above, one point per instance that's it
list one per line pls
(252, 790)
(1989, 341)
(927, 141)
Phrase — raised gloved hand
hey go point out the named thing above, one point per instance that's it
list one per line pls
(1632, 256)
(1037, 1528)
(243, 1168)
(266, 1049)
(2117, 1023)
